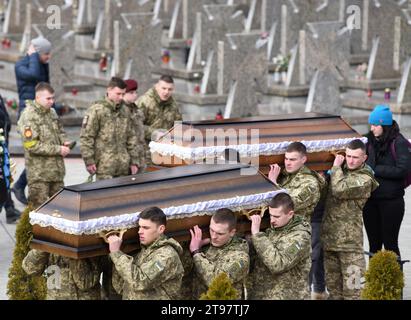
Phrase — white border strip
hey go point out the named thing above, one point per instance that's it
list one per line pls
(246, 150)
(93, 226)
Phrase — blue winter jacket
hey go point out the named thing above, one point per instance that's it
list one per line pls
(29, 72)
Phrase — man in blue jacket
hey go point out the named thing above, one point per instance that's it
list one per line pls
(30, 70)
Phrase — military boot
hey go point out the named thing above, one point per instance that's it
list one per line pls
(19, 194)
(319, 295)
(12, 215)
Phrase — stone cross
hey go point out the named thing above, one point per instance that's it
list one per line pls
(213, 23)
(88, 12)
(245, 72)
(138, 47)
(296, 13)
(327, 46)
(14, 17)
(103, 36)
(380, 38)
(402, 39)
(61, 65)
(404, 91)
(183, 19)
(324, 94)
(326, 64)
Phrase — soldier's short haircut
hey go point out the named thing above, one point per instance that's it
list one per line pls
(44, 86)
(297, 147)
(166, 78)
(357, 144)
(227, 216)
(117, 83)
(282, 200)
(154, 214)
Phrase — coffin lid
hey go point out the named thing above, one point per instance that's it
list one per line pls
(190, 140)
(181, 192)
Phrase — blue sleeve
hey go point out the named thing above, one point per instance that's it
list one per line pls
(30, 72)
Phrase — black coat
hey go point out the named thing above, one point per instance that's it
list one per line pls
(5, 123)
(389, 173)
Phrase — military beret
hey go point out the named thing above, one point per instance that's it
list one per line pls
(131, 85)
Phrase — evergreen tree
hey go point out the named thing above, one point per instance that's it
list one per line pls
(221, 288)
(21, 286)
(384, 278)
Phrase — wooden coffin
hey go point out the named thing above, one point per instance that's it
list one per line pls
(70, 222)
(258, 140)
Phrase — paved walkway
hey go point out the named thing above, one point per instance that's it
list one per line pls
(76, 174)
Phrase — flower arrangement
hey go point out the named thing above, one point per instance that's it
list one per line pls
(281, 62)
(5, 174)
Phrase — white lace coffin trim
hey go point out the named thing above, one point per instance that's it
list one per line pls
(246, 150)
(126, 221)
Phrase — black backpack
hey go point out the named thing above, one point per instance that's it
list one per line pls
(407, 179)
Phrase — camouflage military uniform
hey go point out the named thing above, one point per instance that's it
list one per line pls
(232, 258)
(283, 262)
(155, 273)
(157, 115)
(70, 279)
(304, 187)
(108, 140)
(342, 230)
(137, 122)
(43, 136)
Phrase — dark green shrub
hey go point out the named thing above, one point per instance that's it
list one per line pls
(384, 279)
(21, 286)
(221, 288)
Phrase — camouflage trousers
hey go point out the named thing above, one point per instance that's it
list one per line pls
(343, 273)
(40, 191)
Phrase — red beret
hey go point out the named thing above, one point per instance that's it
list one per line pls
(131, 85)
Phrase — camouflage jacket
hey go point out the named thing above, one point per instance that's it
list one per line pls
(342, 226)
(157, 114)
(43, 136)
(155, 273)
(108, 139)
(283, 262)
(232, 258)
(137, 122)
(67, 279)
(305, 187)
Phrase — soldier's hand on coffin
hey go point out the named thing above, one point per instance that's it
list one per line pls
(64, 151)
(339, 160)
(255, 224)
(275, 171)
(114, 243)
(196, 239)
(91, 168)
(158, 134)
(133, 169)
